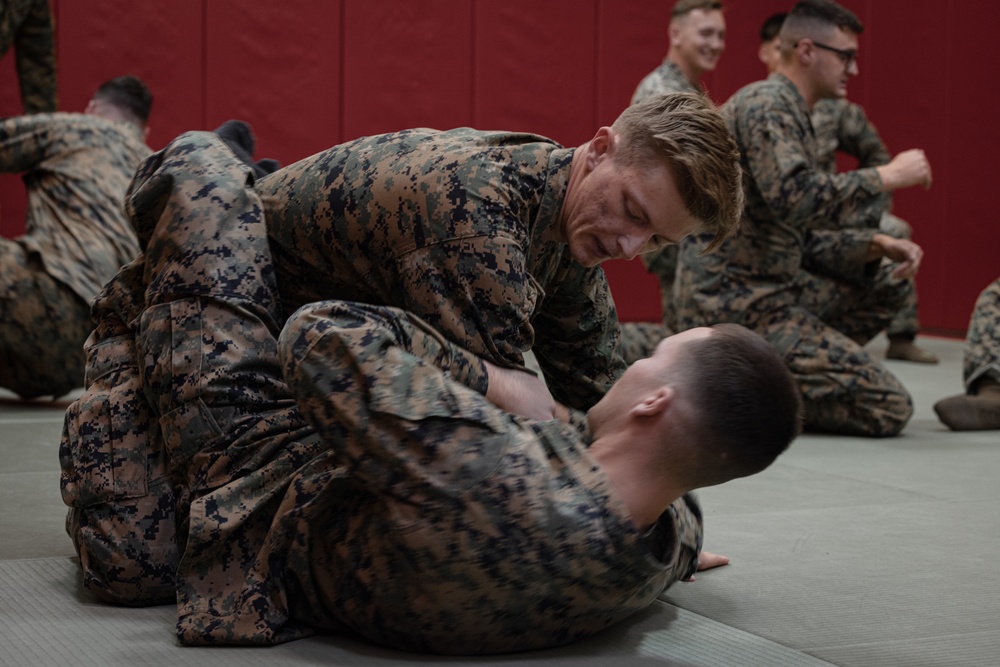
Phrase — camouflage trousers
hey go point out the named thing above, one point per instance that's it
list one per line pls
(43, 325)
(639, 339)
(27, 26)
(821, 338)
(982, 347)
(190, 454)
(185, 431)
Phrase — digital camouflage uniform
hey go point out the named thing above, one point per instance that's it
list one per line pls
(76, 169)
(843, 126)
(375, 493)
(796, 270)
(982, 346)
(27, 26)
(459, 228)
(639, 339)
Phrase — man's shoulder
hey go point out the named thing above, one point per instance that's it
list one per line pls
(764, 92)
(667, 78)
(760, 98)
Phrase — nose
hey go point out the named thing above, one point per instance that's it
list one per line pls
(630, 246)
(852, 67)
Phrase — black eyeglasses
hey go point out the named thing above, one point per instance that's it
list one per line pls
(847, 56)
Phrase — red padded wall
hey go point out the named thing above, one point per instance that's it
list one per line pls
(162, 43)
(535, 66)
(276, 65)
(309, 74)
(407, 65)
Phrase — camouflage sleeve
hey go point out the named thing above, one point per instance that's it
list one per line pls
(792, 186)
(857, 136)
(477, 292)
(24, 142)
(840, 254)
(361, 379)
(578, 338)
(36, 60)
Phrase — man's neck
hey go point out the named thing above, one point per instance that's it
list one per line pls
(576, 169)
(635, 477)
(800, 80)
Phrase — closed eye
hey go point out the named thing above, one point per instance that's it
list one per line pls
(627, 205)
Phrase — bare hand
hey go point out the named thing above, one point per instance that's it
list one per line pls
(907, 169)
(707, 560)
(906, 254)
(520, 393)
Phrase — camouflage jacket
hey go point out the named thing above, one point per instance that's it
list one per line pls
(27, 26)
(459, 228)
(76, 170)
(798, 216)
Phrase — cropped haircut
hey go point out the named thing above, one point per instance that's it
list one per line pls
(686, 131)
(771, 27)
(129, 94)
(815, 18)
(685, 7)
(749, 405)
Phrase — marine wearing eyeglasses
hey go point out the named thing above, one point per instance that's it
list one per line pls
(806, 270)
(842, 126)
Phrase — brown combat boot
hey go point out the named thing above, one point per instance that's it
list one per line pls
(903, 348)
(977, 412)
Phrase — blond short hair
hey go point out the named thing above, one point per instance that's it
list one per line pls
(687, 131)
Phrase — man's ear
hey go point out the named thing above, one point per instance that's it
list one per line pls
(805, 51)
(654, 403)
(674, 32)
(600, 145)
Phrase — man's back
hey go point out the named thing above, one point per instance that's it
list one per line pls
(458, 227)
(77, 170)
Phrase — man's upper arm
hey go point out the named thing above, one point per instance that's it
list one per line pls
(858, 137)
(24, 142)
(785, 171)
